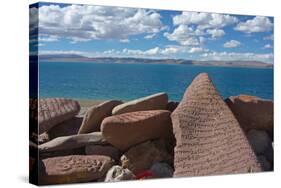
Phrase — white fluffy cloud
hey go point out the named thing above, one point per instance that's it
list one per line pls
(257, 24)
(49, 38)
(204, 20)
(150, 36)
(215, 33)
(233, 56)
(267, 46)
(191, 27)
(197, 50)
(231, 44)
(33, 18)
(83, 23)
(184, 35)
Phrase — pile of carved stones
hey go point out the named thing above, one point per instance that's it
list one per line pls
(152, 137)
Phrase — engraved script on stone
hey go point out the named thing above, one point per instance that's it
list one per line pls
(209, 138)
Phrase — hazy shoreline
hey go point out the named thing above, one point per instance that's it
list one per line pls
(131, 60)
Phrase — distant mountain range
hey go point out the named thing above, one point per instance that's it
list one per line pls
(131, 60)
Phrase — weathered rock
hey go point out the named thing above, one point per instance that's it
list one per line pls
(66, 128)
(265, 164)
(53, 111)
(209, 139)
(60, 153)
(172, 105)
(126, 130)
(252, 112)
(94, 116)
(118, 173)
(162, 170)
(42, 138)
(269, 153)
(106, 150)
(74, 169)
(259, 140)
(157, 101)
(142, 156)
(72, 142)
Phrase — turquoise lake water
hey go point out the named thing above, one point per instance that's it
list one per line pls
(130, 81)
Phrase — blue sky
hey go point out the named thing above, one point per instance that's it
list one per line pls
(99, 31)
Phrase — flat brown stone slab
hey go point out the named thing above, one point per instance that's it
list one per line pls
(53, 111)
(209, 138)
(72, 142)
(94, 116)
(157, 101)
(252, 112)
(106, 150)
(126, 130)
(74, 169)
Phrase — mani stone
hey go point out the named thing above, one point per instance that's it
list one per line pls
(157, 101)
(259, 140)
(53, 111)
(126, 130)
(252, 112)
(118, 173)
(94, 116)
(74, 169)
(209, 140)
(142, 156)
(72, 142)
(106, 150)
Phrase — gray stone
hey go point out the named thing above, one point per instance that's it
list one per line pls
(117, 173)
(162, 170)
(259, 140)
(72, 142)
(142, 156)
(265, 164)
(269, 153)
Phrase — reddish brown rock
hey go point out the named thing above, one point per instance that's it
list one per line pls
(72, 142)
(53, 111)
(142, 156)
(106, 150)
(94, 116)
(157, 101)
(126, 130)
(252, 112)
(74, 169)
(209, 139)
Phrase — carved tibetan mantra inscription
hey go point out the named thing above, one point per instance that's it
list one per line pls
(209, 138)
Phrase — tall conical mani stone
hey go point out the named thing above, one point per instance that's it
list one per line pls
(209, 138)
